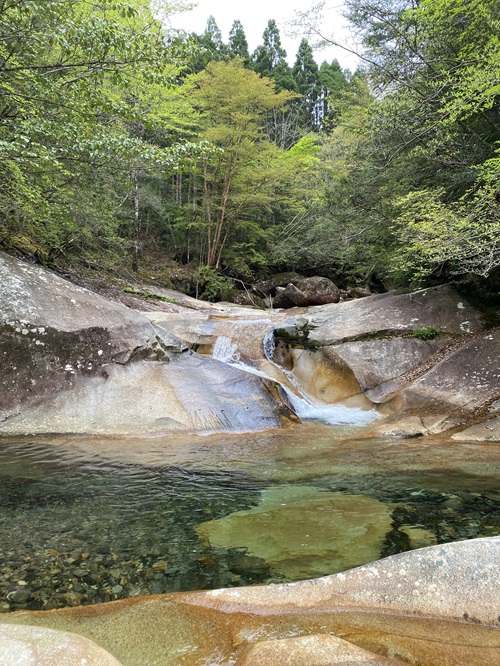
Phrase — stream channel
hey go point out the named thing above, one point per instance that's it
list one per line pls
(85, 521)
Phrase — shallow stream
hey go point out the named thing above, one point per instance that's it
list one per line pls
(88, 521)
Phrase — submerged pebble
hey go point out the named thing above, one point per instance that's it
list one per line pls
(84, 535)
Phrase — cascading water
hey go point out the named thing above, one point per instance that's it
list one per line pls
(225, 350)
(306, 408)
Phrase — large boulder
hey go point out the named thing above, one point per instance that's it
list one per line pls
(319, 290)
(189, 394)
(290, 297)
(74, 362)
(295, 526)
(382, 314)
(422, 355)
(52, 333)
(268, 286)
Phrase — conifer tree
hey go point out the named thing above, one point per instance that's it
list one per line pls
(269, 59)
(333, 85)
(306, 75)
(270, 53)
(211, 39)
(238, 45)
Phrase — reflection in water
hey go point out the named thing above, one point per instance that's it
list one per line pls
(89, 521)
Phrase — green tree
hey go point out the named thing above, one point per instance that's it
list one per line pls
(306, 75)
(67, 72)
(238, 180)
(238, 45)
(269, 58)
(211, 39)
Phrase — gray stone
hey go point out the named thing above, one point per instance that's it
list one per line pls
(465, 380)
(52, 332)
(319, 290)
(189, 394)
(440, 307)
(289, 297)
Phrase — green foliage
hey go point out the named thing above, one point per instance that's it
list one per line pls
(238, 45)
(211, 284)
(427, 333)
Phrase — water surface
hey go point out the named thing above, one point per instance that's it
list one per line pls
(87, 521)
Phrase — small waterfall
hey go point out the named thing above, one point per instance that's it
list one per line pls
(269, 346)
(225, 350)
(307, 409)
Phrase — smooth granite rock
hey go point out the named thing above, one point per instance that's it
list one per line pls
(38, 646)
(315, 650)
(440, 307)
(432, 607)
(188, 394)
(467, 379)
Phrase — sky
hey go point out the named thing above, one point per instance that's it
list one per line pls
(254, 15)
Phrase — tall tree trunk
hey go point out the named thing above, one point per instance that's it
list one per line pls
(137, 219)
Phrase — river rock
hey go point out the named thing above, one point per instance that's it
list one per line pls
(289, 297)
(379, 364)
(53, 332)
(319, 290)
(74, 362)
(433, 606)
(315, 650)
(268, 286)
(465, 380)
(297, 527)
(489, 431)
(189, 394)
(381, 314)
(38, 646)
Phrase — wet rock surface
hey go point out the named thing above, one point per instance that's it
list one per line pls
(432, 607)
(37, 646)
(74, 362)
(189, 394)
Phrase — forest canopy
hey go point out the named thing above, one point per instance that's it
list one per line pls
(126, 144)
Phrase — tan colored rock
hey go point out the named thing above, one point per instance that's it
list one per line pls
(457, 581)
(324, 375)
(315, 650)
(38, 646)
(435, 607)
(419, 537)
(296, 528)
(377, 362)
(489, 431)
(189, 394)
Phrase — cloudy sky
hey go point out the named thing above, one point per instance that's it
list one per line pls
(254, 15)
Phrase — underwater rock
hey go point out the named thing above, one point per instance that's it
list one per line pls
(298, 528)
(315, 650)
(432, 606)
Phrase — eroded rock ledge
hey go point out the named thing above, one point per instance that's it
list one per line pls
(72, 362)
